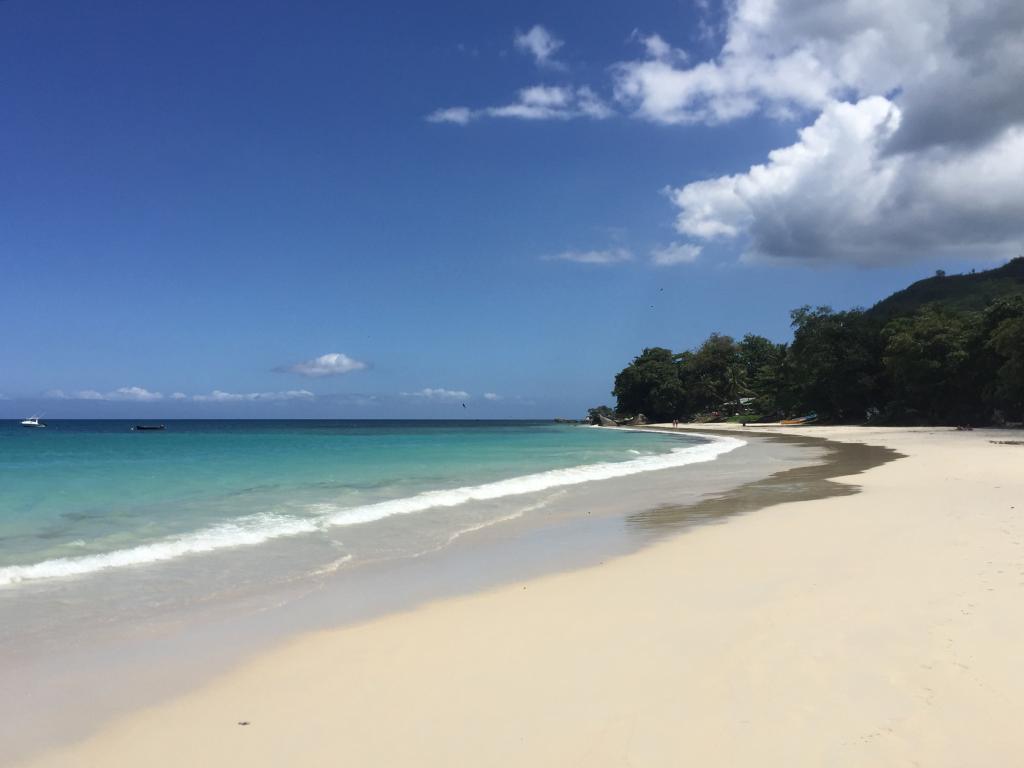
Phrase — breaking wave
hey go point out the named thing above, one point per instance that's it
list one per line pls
(256, 529)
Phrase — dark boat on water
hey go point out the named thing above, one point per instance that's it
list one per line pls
(147, 427)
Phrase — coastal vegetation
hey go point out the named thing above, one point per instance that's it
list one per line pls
(945, 350)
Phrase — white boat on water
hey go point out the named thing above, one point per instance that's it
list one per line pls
(32, 421)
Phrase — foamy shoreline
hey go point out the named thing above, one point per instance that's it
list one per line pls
(879, 628)
(260, 528)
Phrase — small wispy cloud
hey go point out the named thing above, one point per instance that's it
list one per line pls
(456, 115)
(438, 393)
(218, 396)
(541, 44)
(138, 394)
(658, 49)
(537, 102)
(492, 396)
(134, 393)
(675, 253)
(331, 364)
(606, 256)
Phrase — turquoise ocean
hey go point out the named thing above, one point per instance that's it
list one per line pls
(81, 498)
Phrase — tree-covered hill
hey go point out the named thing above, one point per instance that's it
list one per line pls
(946, 350)
(960, 293)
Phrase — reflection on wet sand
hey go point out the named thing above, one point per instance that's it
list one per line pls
(797, 484)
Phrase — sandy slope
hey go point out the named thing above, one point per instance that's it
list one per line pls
(883, 628)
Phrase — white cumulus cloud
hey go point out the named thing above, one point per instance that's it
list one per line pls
(912, 115)
(331, 364)
(914, 143)
(795, 54)
(837, 194)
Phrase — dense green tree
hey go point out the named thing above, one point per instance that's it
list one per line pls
(1003, 324)
(928, 360)
(766, 369)
(1008, 341)
(651, 385)
(714, 375)
(835, 362)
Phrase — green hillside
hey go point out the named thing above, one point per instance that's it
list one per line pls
(959, 293)
(946, 350)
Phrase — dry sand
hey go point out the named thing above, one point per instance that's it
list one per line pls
(875, 629)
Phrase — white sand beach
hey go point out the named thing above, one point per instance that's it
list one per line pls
(883, 628)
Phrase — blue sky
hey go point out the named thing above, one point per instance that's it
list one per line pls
(462, 198)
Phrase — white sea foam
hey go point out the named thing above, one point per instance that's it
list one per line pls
(332, 566)
(244, 531)
(256, 529)
(540, 481)
(485, 524)
(505, 519)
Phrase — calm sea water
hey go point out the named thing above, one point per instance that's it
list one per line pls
(83, 497)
